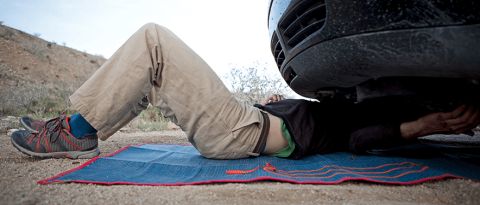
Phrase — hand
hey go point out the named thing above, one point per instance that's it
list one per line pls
(273, 98)
(460, 120)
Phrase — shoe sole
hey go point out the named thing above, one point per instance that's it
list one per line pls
(24, 125)
(70, 154)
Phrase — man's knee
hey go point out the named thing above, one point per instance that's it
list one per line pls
(153, 26)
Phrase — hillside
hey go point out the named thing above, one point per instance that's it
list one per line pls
(32, 69)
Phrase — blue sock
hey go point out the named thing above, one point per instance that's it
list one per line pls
(79, 127)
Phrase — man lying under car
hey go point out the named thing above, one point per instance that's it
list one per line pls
(155, 67)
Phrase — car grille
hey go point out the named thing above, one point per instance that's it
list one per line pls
(277, 50)
(303, 20)
(289, 75)
(280, 57)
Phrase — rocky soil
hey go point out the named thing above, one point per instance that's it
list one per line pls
(28, 59)
(19, 175)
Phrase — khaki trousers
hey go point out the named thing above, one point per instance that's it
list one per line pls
(155, 66)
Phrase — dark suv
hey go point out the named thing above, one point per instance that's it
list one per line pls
(365, 49)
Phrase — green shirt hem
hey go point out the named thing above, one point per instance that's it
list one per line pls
(288, 150)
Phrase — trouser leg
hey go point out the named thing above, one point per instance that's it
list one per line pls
(156, 62)
(139, 107)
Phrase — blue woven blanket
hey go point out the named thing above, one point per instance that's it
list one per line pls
(150, 164)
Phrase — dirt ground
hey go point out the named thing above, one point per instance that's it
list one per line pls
(19, 175)
(26, 58)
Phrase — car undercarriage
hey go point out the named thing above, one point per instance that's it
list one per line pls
(426, 50)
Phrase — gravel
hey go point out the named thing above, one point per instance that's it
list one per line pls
(19, 175)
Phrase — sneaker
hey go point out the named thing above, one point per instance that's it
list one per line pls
(31, 124)
(54, 140)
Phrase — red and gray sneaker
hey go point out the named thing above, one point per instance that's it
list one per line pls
(31, 124)
(54, 140)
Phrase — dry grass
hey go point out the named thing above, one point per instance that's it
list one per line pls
(39, 99)
(36, 47)
(151, 119)
(7, 123)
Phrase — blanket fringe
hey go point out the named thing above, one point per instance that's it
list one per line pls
(298, 174)
(269, 167)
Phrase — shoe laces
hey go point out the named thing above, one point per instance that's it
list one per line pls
(52, 131)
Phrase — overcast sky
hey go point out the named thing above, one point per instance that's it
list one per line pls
(220, 31)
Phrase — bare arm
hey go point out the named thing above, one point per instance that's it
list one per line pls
(460, 120)
(273, 98)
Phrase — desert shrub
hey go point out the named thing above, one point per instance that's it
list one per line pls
(37, 48)
(151, 119)
(6, 124)
(37, 34)
(6, 34)
(1, 22)
(38, 99)
(94, 61)
(253, 83)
